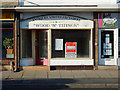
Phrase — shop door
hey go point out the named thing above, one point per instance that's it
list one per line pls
(42, 47)
(108, 49)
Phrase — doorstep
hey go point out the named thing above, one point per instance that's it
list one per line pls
(5, 68)
(37, 67)
(107, 67)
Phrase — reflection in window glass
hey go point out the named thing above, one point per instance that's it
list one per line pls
(26, 44)
(82, 37)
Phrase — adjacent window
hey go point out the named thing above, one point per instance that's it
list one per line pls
(107, 44)
(26, 43)
(119, 43)
(7, 32)
(81, 37)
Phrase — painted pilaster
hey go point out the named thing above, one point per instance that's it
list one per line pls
(96, 41)
(49, 45)
(17, 42)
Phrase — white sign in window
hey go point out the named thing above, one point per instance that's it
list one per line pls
(58, 44)
(71, 47)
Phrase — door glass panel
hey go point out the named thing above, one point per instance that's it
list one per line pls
(42, 45)
(107, 44)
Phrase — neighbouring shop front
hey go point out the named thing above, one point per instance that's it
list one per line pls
(108, 38)
(7, 32)
(56, 39)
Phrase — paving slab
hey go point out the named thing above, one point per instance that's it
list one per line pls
(29, 73)
(5, 74)
(16, 74)
(91, 74)
(41, 77)
(79, 74)
(67, 74)
(113, 74)
(28, 77)
(54, 75)
(103, 74)
(40, 72)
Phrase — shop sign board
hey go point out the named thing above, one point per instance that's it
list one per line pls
(7, 16)
(108, 20)
(71, 49)
(57, 21)
(61, 24)
(9, 3)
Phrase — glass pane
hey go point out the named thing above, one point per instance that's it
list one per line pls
(81, 37)
(107, 44)
(42, 45)
(26, 44)
(6, 24)
(6, 34)
(119, 43)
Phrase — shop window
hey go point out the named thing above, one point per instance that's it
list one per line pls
(6, 24)
(107, 44)
(82, 39)
(26, 44)
(7, 32)
(119, 44)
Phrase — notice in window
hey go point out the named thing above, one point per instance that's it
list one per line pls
(58, 44)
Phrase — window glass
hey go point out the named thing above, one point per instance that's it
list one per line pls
(42, 45)
(6, 24)
(107, 44)
(119, 43)
(26, 44)
(6, 33)
(81, 37)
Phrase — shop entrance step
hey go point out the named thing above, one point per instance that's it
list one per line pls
(107, 67)
(4, 67)
(37, 67)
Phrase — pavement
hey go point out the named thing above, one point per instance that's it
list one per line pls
(60, 79)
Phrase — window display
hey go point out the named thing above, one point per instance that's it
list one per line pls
(81, 37)
(7, 37)
(107, 44)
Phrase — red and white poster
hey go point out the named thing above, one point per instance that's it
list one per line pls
(71, 49)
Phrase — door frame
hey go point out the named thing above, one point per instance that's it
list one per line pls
(115, 31)
(45, 61)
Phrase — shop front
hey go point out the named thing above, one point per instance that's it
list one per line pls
(56, 40)
(108, 38)
(7, 29)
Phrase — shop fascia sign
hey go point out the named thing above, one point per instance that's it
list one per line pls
(7, 16)
(108, 20)
(59, 21)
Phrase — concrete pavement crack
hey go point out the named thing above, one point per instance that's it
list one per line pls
(22, 75)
